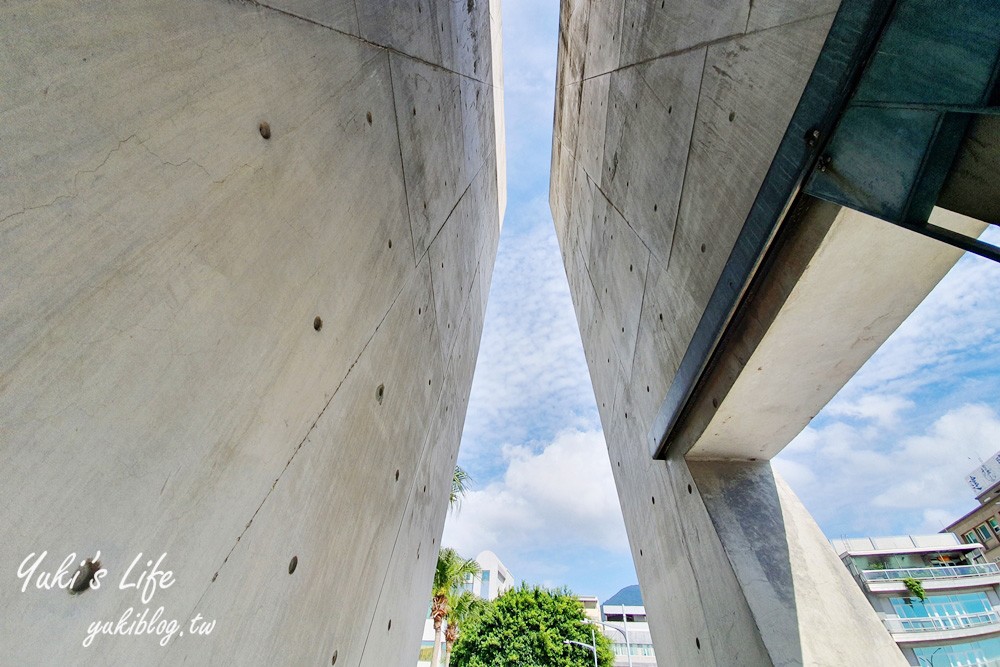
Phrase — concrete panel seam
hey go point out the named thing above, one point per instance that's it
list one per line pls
(695, 47)
(642, 305)
(452, 211)
(361, 39)
(399, 529)
(402, 162)
(729, 560)
(312, 427)
(597, 187)
(687, 160)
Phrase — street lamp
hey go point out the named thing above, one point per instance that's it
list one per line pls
(628, 648)
(592, 647)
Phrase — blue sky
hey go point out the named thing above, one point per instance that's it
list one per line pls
(888, 455)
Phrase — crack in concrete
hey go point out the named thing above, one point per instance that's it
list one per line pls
(76, 176)
(163, 161)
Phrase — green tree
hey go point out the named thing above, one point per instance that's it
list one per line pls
(462, 607)
(460, 483)
(528, 627)
(449, 577)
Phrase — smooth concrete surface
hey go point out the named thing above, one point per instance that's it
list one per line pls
(862, 281)
(236, 350)
(659, 149)
(791, 577)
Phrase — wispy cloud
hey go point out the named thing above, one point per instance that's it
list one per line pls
(531, 378)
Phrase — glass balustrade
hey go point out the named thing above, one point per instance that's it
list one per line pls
(950, 572)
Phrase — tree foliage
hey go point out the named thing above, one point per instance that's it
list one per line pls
(527, 627)
(449, 576)
(460, 483)
(463, 606)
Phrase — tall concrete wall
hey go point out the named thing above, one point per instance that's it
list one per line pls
(235, 349)
(668, 117)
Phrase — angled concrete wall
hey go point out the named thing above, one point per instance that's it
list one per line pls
(234, 349)
(668, 117)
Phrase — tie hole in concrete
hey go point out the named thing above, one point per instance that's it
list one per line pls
(265, 129)
(83, 576)
(317, 323)
(380, 393)
(292, 564)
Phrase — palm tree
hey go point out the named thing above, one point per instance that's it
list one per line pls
(460, 483)
(449, 577)
(461, 607)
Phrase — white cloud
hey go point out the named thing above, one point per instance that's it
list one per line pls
(879, 407)
(561, 497)
(863, 480)
(937, 462)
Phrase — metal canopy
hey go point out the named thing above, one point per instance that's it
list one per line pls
(877, 129)
(933, 70)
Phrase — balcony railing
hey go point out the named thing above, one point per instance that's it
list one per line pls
(945, 572)
(938, 623)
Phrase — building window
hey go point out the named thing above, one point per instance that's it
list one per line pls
(970, 537)
(994, 525)
(983, 531)
(484, 591)
(944, 612)
(985, 652)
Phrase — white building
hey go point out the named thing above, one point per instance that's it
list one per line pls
(957, 624)
(493, 579)
(624, 616)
